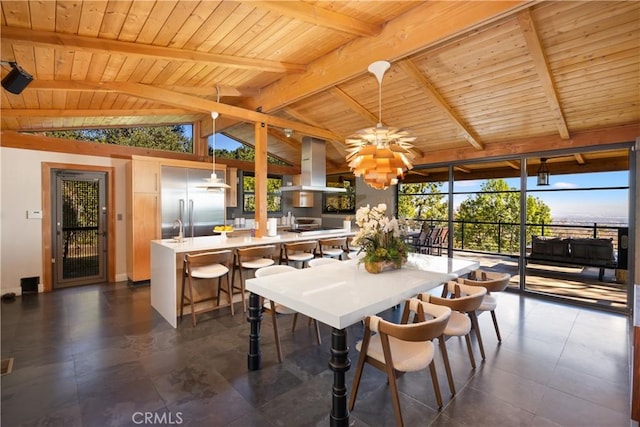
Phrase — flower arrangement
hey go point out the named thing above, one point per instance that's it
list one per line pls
(380, 237)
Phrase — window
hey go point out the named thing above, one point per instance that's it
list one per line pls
(175, 138)
(340, 203)
(274, 199)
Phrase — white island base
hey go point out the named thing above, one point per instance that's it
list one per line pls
(166, 264)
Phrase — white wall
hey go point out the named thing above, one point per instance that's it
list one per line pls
(20, 191)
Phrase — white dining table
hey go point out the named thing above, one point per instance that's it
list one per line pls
(340, 295)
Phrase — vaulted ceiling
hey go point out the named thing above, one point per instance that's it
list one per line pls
(470, 80)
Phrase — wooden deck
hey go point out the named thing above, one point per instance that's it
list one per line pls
(579, 284)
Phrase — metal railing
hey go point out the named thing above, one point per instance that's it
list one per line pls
(503, 237)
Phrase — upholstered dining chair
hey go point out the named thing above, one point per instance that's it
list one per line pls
(276, 309)
(463, 300)
(399, 348)
(207, 265)
(492, 282)
(250, 259)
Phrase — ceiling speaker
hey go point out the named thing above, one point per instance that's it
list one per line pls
(16, 80)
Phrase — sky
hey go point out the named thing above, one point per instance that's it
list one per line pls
(225, 143)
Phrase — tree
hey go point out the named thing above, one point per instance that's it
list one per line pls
(168, 138)
(490, 220)
(274, 198)
(423, 200)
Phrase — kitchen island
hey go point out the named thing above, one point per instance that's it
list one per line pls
(167, 255)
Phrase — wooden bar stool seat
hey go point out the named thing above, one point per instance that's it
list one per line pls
(250, 259)
(333, 248)
(207, 265)
(299, 253)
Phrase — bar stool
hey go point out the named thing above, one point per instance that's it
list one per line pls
(250, 259)
(298, 252)
(333, 248)
(207, 265)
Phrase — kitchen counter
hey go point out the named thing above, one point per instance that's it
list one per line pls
(166, 261)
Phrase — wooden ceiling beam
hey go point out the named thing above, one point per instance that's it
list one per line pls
(579, 158)
(96, 45)
(513, 165)
(525, 146)
(462, 169)
(30, 112)
(525, 21)
(408, 34)
(225, 91)
(321, 17)
(410, 68)
(353, 105)
(293, 142)
(337, 140)
(195, 103)
(280, 136)
(80, 86)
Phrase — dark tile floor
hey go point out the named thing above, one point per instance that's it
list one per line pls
(100, 356)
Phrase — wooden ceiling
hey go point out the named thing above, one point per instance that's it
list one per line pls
(470, 80)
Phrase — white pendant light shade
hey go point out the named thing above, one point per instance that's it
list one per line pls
(213, 183)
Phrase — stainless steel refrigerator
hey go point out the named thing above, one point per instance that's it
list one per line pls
(198, 209)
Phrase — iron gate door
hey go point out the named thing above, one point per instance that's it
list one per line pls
(79, 228)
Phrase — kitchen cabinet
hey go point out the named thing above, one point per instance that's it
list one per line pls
(301, 199)
(143, 210)
(232, 193)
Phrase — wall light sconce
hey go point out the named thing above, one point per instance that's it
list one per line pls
(288, 132)
(543, 173)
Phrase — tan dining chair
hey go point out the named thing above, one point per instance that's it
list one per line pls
(463, 300)
(276, 309)
(207, 265)
(247, 260)
(399, 348)
(298, 253)
(492, 282)
(333, 248)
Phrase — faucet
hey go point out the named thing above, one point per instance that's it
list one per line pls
(178, 224)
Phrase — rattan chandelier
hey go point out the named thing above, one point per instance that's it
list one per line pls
(381, 154)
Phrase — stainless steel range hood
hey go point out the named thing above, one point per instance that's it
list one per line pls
(313, 167)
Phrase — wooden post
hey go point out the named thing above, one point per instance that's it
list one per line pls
(261, 178)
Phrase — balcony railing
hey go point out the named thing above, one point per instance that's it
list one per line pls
(503, 238)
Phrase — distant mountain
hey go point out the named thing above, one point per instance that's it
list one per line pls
(591, 219)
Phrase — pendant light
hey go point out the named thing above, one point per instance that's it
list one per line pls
(381, 154)
(543, 173)
(214, 183)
